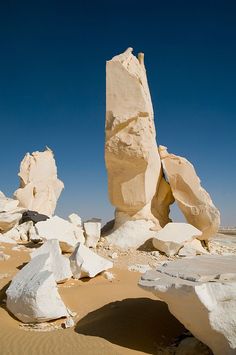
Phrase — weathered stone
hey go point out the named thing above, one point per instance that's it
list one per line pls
(129, 232)
(58, 228)
(75, 219)
(132, 159)
(173, 236)
(32, 295)
(201, 294)
(142, 268)
(39, 186)
(192, 248)
(192, 199)
(85, 263)
(92, 230)
(7, 204)
(161, 202)
(8, 220)
(60, 264)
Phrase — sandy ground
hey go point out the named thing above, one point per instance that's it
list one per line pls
(114, 317)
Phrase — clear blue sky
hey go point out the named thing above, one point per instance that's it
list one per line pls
(52, 89)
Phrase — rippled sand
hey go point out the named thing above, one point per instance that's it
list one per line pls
(112, 317)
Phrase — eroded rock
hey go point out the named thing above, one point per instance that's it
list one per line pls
(32, 295)
(85, 263)
(173, 236)
(60, 264)
(92, 230)
(201, 294)
(132, 159)
(39, 186)
(58, 228)
(192, 199)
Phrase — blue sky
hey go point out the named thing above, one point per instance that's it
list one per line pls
(52, 89)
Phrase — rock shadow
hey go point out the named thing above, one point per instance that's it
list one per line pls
(140, 324)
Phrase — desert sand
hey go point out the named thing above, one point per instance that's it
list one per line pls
(112, 317)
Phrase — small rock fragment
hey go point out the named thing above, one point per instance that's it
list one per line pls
(139, 268)
(75, 219)
(92, 230)
(108, 275)
(85, 263)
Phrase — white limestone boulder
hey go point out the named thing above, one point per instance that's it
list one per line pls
(201, 293)
(32, 295)
(39, 186)
(58, 228)
(75, 219)
(7, 204)
(192, 248)
(60, 264)
(92, 230)
(192, 199)
(173, 236)
(10, 219)
(130, 233)
(85, 263)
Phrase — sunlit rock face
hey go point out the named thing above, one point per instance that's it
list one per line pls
(131, 154)
(39, 186)
(194, 202)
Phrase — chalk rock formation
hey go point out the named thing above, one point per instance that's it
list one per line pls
(131, 155)
(192, 248)
(75, 219)
(10, 213)
(92, 230)
(39, 186)
(192, 199)
(161, 202)
(60, 264)
(85, 263)
(58, 228)
(173, 237)
(32, 295)
(201, 294)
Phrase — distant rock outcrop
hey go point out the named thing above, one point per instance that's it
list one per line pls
(39, 186)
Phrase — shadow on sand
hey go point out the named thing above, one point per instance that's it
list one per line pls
(139, 323)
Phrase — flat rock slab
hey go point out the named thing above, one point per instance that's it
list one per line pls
(201, 294)
(173, 236)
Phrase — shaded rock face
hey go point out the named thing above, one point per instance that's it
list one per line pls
(39, 186)
(194, 202)
(132, 159)
(161, 202)
(201, 294)
(10, 213)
